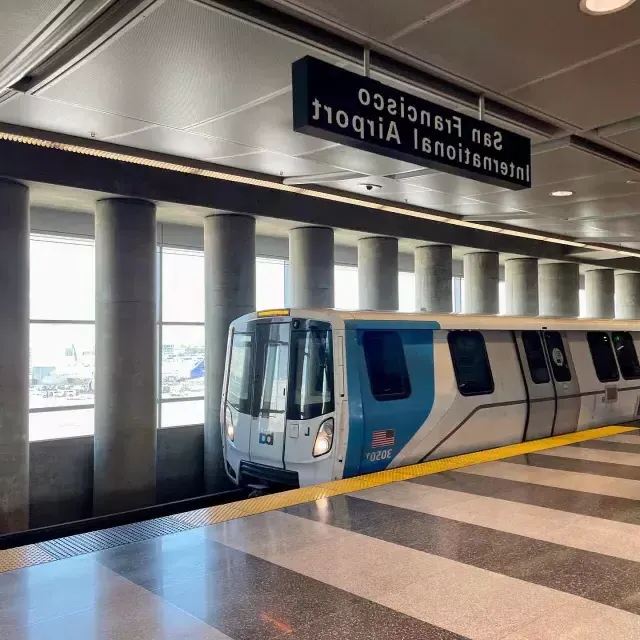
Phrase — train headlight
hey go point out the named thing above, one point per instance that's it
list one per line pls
(324, 439)
(228, 424)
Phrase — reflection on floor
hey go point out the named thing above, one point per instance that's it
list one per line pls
(537, 547)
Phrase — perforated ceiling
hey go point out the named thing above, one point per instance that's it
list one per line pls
(190, 78)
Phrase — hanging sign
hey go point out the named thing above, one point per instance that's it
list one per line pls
(350, 109)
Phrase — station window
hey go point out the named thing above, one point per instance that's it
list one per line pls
(471, 363)
(386, 365)
(557, 356)
(626, 354)
(534, 351)
(604, 361)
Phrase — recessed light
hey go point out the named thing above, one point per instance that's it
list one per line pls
(603, 7)
(561, 194)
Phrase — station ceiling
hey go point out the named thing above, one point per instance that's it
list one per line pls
(210, 81)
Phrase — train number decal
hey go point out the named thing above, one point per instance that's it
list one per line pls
(374, 456)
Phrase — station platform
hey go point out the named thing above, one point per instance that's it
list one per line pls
(534, 541)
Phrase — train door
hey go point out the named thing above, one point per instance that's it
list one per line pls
(540, 386)
(565, 382)
(270, 387)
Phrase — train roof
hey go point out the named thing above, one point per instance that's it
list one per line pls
(460, 320)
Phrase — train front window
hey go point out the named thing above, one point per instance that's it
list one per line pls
(311, 393)
(239, 385)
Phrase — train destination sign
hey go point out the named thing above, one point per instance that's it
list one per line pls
(344, 107)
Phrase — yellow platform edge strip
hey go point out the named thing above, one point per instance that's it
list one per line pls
(254, 506)
(29, 555)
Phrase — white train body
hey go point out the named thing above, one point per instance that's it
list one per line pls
(311, 396)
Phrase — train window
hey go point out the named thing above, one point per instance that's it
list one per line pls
(386, 365)
(557, 356)
(534, 351)
(470, 363)
(604, 361)
(626, 354)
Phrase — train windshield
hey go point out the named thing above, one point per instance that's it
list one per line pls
(276, 369)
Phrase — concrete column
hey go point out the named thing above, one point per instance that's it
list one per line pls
(14, 357)
(378, 273)
(311, 267)
(521, 286)
(433, 268)
(481, 280)
(559, 287)
(126, 356)
(230, 292)
(627, 286)
(599, 290)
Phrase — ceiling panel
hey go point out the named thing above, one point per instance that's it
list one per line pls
(276, 164)
(182, 65)
(504, 44)
(599, 210)
(360, 161)
(181, 143)
(21, 19)
(449, 183)
(628, 139)
(606, 185)
(39, 113)
(377, 18)
(268, 125)
(593, 95)
(582, 230)
(566, 163)
(383, 187)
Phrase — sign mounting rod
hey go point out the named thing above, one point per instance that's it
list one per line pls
(366, 62)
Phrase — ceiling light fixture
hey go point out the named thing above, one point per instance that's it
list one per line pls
(561, 194)
(603, 7)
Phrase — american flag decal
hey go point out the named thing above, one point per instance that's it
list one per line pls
(383, 438)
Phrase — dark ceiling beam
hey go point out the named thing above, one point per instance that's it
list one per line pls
(44, 164)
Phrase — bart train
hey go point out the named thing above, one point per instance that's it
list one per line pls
(311, 396)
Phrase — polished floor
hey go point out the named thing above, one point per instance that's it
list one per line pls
(544, 546)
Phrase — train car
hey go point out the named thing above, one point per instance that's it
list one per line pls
(311, 396)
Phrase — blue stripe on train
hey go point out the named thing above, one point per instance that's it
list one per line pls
(403, 416)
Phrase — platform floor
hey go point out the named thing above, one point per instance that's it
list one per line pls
(534, 547)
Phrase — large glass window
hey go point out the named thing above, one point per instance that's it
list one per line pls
(62, 337)
(626, 354)
(181, 338)
(346, 287)
(182, 363)
(604, 361)
(270, 283)
(470, 362)
(182, 278)
(311, 374)
(407, 291)
(386, 365)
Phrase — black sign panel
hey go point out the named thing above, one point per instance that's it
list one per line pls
(344, 107)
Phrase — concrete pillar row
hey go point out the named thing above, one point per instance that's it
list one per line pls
(599, 289)
(521, 286)
(126, 356)
(14, 357)
(433, 273)
(230, 292)
(627, 296)
(481, 283)
(559, 287)
(311, 273)
(378, 273)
